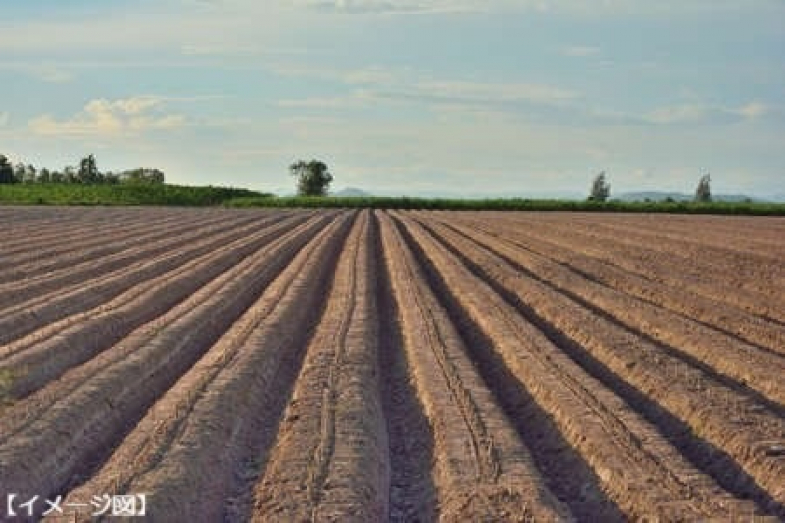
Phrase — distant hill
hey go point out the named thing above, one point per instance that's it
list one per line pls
(657, 196)
(350, 192)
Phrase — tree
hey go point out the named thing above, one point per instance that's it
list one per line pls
(6, 171)
(313, 178)
(703, 192)
(600, 189)
(88, 170)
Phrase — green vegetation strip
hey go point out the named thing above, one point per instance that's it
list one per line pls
(121, 194)
(511, 204)
(181, 195)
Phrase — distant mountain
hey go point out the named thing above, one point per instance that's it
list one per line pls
(351, 192)
(657, 196)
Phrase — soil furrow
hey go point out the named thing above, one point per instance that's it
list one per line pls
(672, 268)
(199, 447)
(69, 224)
(712, 313)
(40, 312)
(660, 232)
(726, 418)
(410, 436)
(761, 371)
(330, 458)
(647, 476)
(60, 247)
(29, 292)
(79, 431)
(479, 473)
(48, 352)
(94, 332)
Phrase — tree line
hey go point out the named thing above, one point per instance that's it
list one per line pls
(85, 173)
(600, 189)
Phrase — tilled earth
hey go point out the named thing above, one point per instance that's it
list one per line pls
(292, 365)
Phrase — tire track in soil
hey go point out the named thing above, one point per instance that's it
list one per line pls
(412, 491)
(80, 429)
(482, 471)
(649, 477)
(199, 448)
(330, 457)
(724, 418)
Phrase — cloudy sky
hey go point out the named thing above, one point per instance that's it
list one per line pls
(458, 97)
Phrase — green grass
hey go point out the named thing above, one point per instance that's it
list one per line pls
(179, 195)
(511, 204)
(121, 194)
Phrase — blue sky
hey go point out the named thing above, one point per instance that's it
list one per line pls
(454, 97)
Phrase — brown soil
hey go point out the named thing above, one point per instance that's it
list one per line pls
(243, 365)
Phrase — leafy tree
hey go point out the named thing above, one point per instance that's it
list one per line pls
(88, 170)
(600, 189)
(703, 191)
(6, 171)
(313, 178)
(44, 176)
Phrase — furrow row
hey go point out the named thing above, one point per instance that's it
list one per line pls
(40, 312)
(645, 475)
(198, 449)
(482, 470)
(330, 459)
(575, 256)
(63, 240)
(26, 293)
(671, 267)
(71, 433)
(761, 370)
(728, 418)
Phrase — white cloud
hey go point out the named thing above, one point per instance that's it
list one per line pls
(377, 85)
(51, 74)
(111, 117)
(484, 92)
(580, 51)
(697, 113)
(754, 110)
(581, 7)
(316, 103)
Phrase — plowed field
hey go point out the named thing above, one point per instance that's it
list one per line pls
(272, 365)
